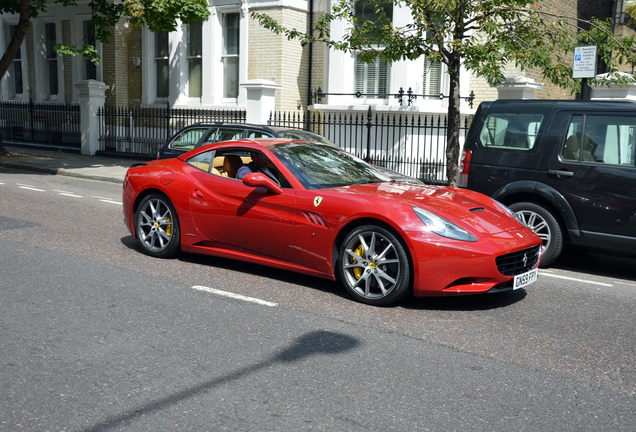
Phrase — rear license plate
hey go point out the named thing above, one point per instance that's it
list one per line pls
(525, 279)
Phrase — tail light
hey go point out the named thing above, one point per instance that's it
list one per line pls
(464, 167)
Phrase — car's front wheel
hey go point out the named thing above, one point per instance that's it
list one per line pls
(157, 226)
(374, 266)
(545, 225)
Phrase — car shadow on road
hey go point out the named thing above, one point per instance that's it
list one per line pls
(598, 264)
(258, 270)
(448, 303)
(478, 302)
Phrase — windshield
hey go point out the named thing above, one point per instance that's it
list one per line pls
(319, 166)
(307, 136)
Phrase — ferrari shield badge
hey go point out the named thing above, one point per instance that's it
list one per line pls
(317, 201)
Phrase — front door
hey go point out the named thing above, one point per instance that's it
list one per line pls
(245, 218)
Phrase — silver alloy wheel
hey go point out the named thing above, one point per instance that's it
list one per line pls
(538, 224)
(371, 267)
(155, 225)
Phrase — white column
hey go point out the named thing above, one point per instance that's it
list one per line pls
(261, 100)
(92, 95)
(518, 87)
(608, 91)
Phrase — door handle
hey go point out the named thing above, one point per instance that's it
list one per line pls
(197, 193)
(561, 173)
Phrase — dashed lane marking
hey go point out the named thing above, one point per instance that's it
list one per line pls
(234, 296)
(106, 200)
(32, 188)
(68, 194)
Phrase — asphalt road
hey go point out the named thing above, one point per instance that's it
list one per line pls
(96, 336)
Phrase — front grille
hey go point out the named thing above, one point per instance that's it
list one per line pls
(519, 262)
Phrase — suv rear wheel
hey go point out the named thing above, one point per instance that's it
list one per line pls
(545, 225)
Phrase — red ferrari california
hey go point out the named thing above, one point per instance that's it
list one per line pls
(318, 210)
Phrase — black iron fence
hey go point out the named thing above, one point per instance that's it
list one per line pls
(125, 131)
(411, 144)
(48, 123)
(409, 95)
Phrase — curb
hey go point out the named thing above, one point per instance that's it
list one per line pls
(61, 171)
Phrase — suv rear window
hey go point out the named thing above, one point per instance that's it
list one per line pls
(510, 131)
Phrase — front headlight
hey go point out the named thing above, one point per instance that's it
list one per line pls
(507, 210)
(442, 227)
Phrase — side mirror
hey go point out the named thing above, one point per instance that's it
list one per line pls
(257, 179)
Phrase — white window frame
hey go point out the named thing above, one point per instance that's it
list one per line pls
(223, 17)
(192, 99)
(377, 66)
(77, 36)
(8, 86)
(42, 62)
(153, 71)
(211, 64)
(430, 69)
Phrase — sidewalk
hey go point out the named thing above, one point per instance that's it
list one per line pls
(67, 163)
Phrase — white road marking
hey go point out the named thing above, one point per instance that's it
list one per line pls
(69, 194)
(543, 273)
(110, 202)
(234, 296)
(32, 188)
(623, 283)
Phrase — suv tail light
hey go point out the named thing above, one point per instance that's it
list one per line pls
(464, 167)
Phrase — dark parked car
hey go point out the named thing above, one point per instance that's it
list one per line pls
(565, 167)
(198, 134)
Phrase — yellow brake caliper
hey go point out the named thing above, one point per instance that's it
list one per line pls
(358, 271)
(169, 228)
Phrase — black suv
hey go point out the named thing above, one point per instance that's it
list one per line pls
(565, 167)
(198, 134)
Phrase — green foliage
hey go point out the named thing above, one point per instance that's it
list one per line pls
(487, 35)
(156, 15)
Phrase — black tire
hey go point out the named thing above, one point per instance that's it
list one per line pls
(157, 226)
(543, 222)
(374, 266)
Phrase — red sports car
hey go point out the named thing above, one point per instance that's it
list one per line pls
(318, 210)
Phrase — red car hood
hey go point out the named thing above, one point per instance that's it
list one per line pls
(467, 209)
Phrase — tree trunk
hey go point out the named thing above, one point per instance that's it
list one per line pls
(3, 151)
(13, 47)
(452, 130)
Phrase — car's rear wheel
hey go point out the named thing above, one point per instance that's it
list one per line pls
(374, 266)
(157, 226)
(545, 225)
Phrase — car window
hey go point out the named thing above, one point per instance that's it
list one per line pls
(188, 139)
(258, 134)
(227, 162)
(226, 134)
(319, 166)
(601, 139)
(301, 135)
(511, 131)
(202, 160)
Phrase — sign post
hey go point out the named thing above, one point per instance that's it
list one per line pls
(584, 66)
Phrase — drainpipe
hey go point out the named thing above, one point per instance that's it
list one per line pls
(311, 51)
